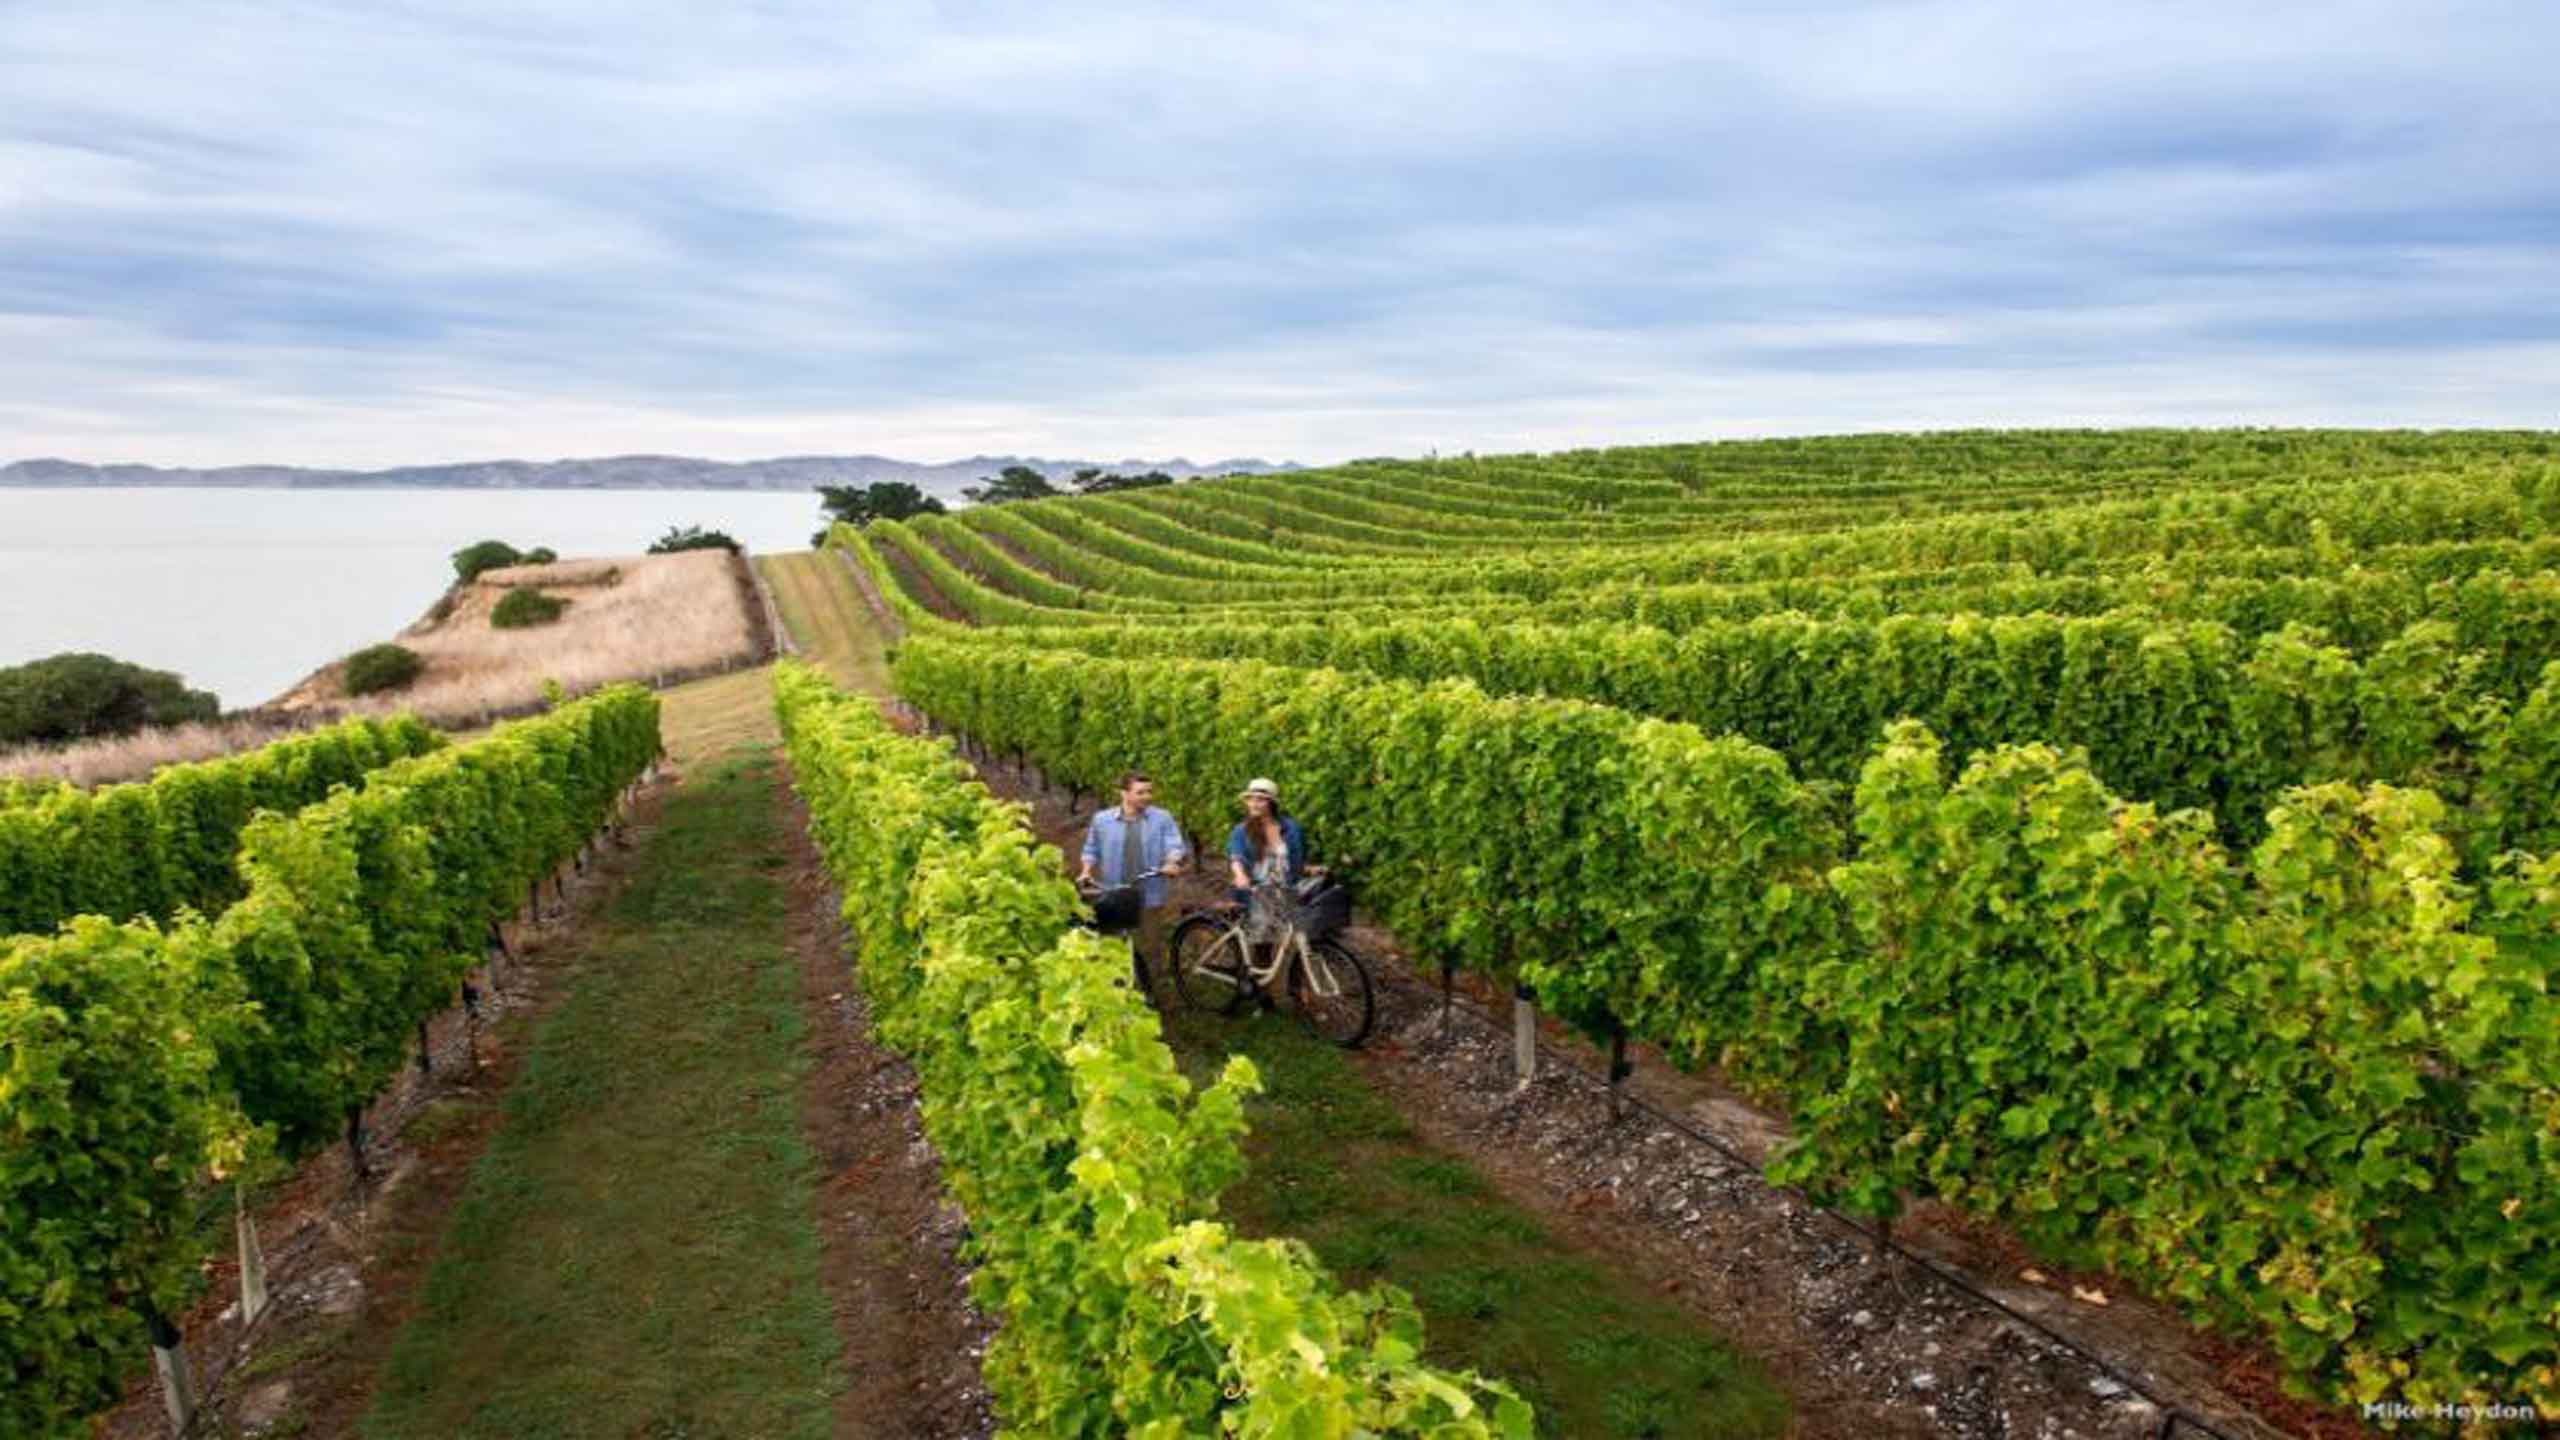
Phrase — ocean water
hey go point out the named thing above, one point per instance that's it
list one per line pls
(244, 592)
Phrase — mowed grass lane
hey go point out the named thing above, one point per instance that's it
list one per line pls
(1599, 1350)
(827, 617)
(636, 1255)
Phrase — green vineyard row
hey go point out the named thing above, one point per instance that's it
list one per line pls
(2182, 714)
(143, 1059)
(2511, 616)
(2312, 1088)
(2342, 519)
(2500, 593)
(1088, 1166)
(167, 844)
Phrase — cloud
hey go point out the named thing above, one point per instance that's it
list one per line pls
(287, 232)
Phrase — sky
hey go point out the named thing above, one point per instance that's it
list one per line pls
(406, 233)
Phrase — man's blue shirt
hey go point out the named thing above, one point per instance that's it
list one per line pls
(1159, 839)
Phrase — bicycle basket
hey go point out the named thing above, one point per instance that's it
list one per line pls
(1115, 911)
(1324, 912)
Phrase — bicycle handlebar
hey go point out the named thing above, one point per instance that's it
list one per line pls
(1095, 885)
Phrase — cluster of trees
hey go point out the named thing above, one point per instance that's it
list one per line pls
(82, 695)
(1021, 482)
(693, 537)
(1098, 482)
(879, 500)
(859, 505)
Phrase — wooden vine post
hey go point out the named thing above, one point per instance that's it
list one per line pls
(253, 1259)
(355, 1145)
(1524, 1035)
(1619, 1069)
(169, 1361)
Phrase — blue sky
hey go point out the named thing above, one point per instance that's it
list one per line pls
(403, 233)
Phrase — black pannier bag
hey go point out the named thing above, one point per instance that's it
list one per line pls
(1324, 907)
(1115, 911)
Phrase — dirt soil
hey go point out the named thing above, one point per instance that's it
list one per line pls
(345, 1259)
(1867, 1343)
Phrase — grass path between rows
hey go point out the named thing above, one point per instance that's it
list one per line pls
(1598, 1350)
(636, 1253)
(827, 618)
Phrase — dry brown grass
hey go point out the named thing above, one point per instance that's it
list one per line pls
(706, 719)
(133, 757)
(642, 618)
(662, 614)
(562, 572)
(816, 595)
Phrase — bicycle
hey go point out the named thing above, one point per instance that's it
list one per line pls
(1214, 970)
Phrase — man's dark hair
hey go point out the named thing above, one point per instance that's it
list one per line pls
(1134, 777)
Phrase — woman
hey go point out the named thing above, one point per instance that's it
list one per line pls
(1265, 848)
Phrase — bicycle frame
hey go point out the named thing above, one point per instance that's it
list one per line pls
(1293, 944)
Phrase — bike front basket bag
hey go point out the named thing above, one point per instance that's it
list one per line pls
(1115, 911)
(1325, 912)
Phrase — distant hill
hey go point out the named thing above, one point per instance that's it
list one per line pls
(619, 472)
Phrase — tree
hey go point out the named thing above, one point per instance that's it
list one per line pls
(880, 500)
(692, 537)
(1097, 482)
(81, 695)
(1014, 482)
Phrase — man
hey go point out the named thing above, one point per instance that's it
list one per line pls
(1128, 840)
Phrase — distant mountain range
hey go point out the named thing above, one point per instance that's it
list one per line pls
(619, 472)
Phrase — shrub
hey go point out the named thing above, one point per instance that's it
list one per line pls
(80, 695)
(692, 537)
(471, 560)
(523, 605)
(381, 667)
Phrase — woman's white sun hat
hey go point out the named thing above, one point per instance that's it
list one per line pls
(1261, 787)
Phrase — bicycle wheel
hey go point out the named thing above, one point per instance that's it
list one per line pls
(1208, 965)
(1331, 987)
